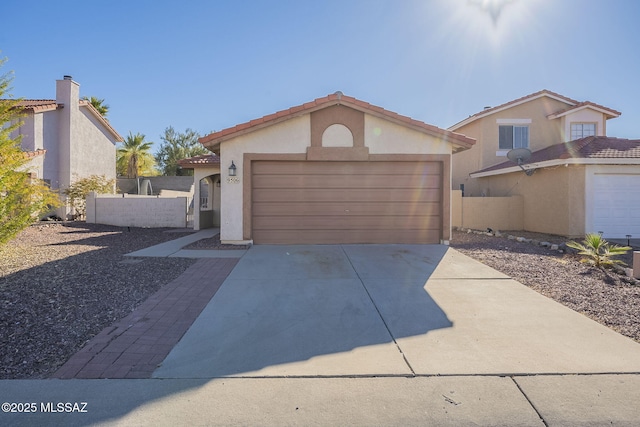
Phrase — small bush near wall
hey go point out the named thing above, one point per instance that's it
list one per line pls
(78, 191)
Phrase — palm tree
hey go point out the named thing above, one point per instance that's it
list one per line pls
(98, 104)
(134, 158)
(597, 251)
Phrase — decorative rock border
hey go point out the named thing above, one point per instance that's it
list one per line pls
(625, 272)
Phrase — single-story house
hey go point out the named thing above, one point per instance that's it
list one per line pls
(336, 170)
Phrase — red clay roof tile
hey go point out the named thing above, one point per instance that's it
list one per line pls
(201, 160)
(591, 147)
(327, 101)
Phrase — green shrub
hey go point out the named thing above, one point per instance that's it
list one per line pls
(80, 189)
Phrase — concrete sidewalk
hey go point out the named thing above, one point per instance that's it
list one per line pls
(566, 401)
(173, 248)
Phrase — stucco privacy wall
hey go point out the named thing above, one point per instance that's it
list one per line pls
(560, 211)
(480, 213)
(291, 139)
(137, 211)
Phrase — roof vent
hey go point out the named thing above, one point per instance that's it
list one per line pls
(339, 95)
(67, 78)
(488, 107)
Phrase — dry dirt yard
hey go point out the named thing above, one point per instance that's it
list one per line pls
(62, 283)
(604, 296)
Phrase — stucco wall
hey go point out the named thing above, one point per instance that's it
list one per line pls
(293, 137)
(542, 133)
(553, 198)
(92, 151)
(384, 137)
(137, 211)
(480, 213)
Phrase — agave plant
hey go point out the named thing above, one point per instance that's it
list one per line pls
(597, 251)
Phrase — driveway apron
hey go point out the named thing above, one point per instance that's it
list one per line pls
(386, 310)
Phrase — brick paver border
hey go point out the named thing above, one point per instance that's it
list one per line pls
(135, 345)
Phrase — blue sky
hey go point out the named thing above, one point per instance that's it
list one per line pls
(209, 65)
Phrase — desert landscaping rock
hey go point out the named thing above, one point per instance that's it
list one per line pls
(62, 283)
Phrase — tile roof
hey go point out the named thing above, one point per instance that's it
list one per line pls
(199, 161)
(36, 153)
(38, 105)
(591, 147)
(42, 105)
(572, 105)
(490, 110)
(334, 99)
(609, 111)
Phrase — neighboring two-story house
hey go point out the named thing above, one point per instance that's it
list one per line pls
(67, 138)
(578, 180)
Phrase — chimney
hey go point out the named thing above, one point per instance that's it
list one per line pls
(68, 93)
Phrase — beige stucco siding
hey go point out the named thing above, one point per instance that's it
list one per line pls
(384, 137)
(291, 136)
(542, 133)
(467, 161)
(553, 198)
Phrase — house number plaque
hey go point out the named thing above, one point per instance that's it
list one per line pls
(233, 180)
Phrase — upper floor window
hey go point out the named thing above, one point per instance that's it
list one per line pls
(581, 130)
(511, 137)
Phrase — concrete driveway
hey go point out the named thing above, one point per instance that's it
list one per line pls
(386, 310)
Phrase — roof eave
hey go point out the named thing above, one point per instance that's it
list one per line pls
(509, 105)
(102, 120)
(559, 162)
(459, 141)
(610, 114)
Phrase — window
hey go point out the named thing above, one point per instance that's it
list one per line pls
(513, 137)
(581, 130)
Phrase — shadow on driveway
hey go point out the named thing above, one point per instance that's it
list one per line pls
(313, 311)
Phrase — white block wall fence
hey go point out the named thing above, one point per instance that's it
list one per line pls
(126, 210)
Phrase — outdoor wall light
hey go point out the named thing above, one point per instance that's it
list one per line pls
(232, 169)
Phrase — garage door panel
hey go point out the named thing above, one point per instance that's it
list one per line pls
(616, 205)
(363, 195)
(326, 222)
(341, 182)
(355, 208)
(346, 168)
(334, 237)
(346, 202)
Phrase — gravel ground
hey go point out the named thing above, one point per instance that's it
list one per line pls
(62, 283)
(604, 296)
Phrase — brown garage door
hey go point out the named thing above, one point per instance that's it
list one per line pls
(346, 202)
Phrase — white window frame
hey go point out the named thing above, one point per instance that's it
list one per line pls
(516, 123)
(574, 131)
